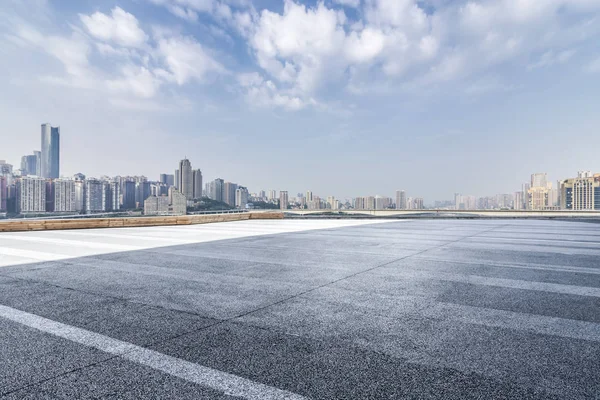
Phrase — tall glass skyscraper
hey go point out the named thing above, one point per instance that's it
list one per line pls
(50, 151)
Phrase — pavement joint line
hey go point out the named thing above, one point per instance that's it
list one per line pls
(224, 382)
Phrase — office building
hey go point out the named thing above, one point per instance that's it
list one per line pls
(50, 154)
(167, 179)
(30, 195)
(31, 164)
(283, 200)
(197, 177)
(241, 197)
(186, 179)
(229, 190)
(581, 193)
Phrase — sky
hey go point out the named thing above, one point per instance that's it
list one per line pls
(342, 97)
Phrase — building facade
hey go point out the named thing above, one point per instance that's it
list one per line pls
(186, 179)
(241, 197)
(197, 177)
(50, 154)
(95, 199)
(283, 200)
(30, 195)
(62, 195)
(581, 193)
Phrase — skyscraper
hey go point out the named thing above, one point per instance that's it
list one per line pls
(186, 179)
(283, 200)
(3, 193)
(229, 193)
(197, 176)
(216, 189)
(400, 200)
(50, 155)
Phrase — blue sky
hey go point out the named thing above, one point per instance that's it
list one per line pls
(342, 97)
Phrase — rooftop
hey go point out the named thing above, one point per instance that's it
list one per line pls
(296, 309)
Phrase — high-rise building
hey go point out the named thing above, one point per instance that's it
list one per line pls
(241, 197)
(31, 195)
(30, 164)
(518, 203)
(167, 179)
(197, 177)
(113, 195)
(272, 195)
(178, 202)
(418, 203)
(128, 194)
(229, 193)
(217, 189)
(61, 196)
(186, 179)
(50, 154)
(400, 200)
(177, 178)
(283, 200)
(3, 193)
(538, 194)
(95, 199)
(309, 196)
(581, 193)
(142, 190)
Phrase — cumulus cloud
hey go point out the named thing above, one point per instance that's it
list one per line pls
(120, 27)
(185, 59)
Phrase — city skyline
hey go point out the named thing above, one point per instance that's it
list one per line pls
(491, 103)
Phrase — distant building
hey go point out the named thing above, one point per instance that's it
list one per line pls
(272, 195)
(197, 177)
(216, 189)
(539, 192)
(186, 179)
(241, 197)
(113, 195)
(3, 193)
(167, 179)
(156, 205)
(400, 200)
(142, 190)
(95, 199)
(30, 195)
(61, 195)
(309, 196)
(50, 154)
(581, 193)
(283, 200)
(31, 164)
(229, 190)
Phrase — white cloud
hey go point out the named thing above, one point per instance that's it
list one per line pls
(136, 80)
(264, 93)
(186, 59)
(120, 27)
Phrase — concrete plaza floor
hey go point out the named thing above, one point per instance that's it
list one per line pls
(324, 309)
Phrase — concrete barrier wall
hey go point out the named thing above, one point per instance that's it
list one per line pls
(90, 223)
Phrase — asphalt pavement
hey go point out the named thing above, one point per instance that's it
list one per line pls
(327, 309)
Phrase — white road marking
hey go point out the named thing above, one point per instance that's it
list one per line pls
(97, 241)
(229, 384)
